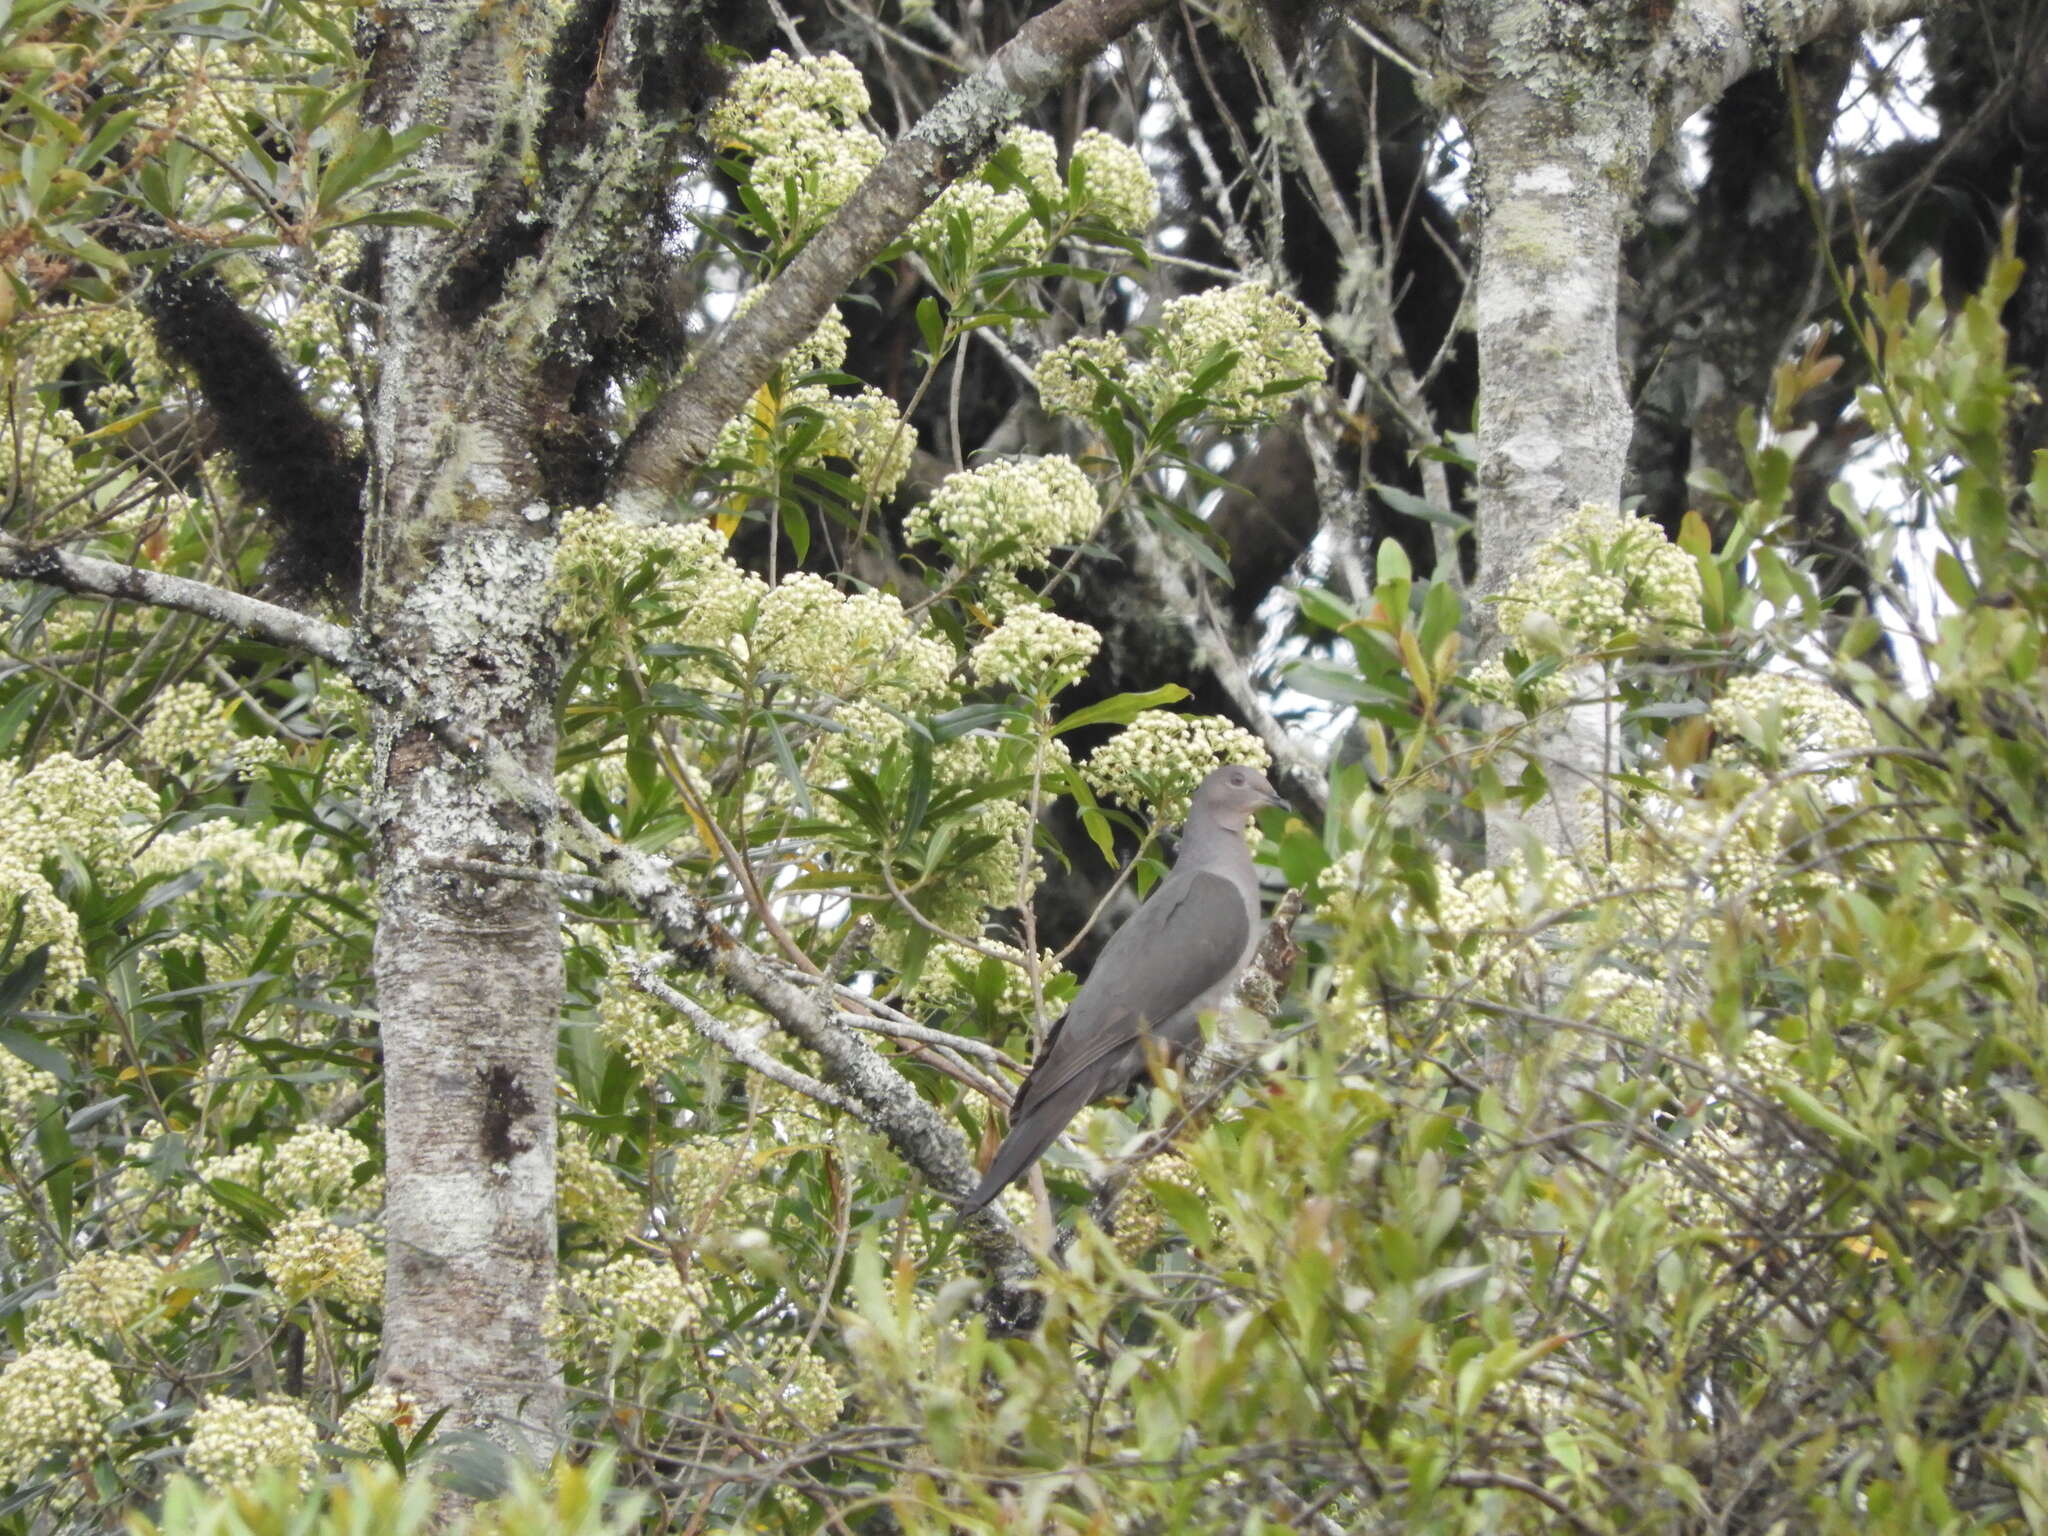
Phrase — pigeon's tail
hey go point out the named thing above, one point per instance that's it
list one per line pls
(1047, 1102)
(1029, 1137)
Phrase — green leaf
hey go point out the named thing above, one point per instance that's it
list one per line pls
(1122, 709)
(1092, 820)
(1391, 563)
(932, 326)
(1955, 581)
(1320, 606)
(2020, 1286)
(1410, 505)
(1809, 1109)
(245, 1201)
(1441, 612)
(21, 982)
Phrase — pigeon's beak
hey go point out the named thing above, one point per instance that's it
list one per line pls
(1276, 798)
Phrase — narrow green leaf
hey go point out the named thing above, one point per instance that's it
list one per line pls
(1122, 709)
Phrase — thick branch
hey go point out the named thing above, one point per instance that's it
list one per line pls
(677, 434)
(1710, 44)
(90, 576)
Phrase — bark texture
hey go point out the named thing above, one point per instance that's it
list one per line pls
(468, 971)
(1558, 180)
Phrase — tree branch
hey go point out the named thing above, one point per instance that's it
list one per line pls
(879, 1095)
(1710, 44)
(742, 1050)
(90, 576)
(677, 434)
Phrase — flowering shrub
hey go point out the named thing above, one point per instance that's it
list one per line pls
(1686, 1176)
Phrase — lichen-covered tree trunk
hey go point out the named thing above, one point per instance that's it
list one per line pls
(1560, 167)
(1563, 103)
(468, 970)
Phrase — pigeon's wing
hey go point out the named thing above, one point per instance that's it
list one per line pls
(1181, 944)
(1177, 946)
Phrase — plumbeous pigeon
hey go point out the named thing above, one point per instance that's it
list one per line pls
(1179, 955)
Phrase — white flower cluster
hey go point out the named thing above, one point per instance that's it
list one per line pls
(638, 1028)
(867, 431)
(783, 1388)
(233, 1442)
(1116, 186)
(310, 1255)
(348, 767)
(998, 220)
(699, 596)
(999, 872)
(863, 732)
(246, 1166)
(35, 444)
(44, 920)
(632, 1294)
(841, 644)
(1742, 853)
(1140, 1220)
(37, 452)
(823, 351)
(1036, 650)
(316, 1167)
(1786, 718)
(376, 1408)
(1157, 760)
(1010, 513)
(996, 224)
(188, 722)
(251, 859)
(1273, 336)
(798, 119)
(63, 801)
(1067, 375)
(1505, 904)
(104, 1295)
(832, 642)
(992, 878)
(779, 94)
(1605, 578)
(864, 429)
(1108, 183)
(589, 1191)
(713, 1176)
(1623, 1001)
(55, 1397)
(21, 1085)
(1038, 162)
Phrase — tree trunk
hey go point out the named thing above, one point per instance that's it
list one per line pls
(1560, 167)
(468, 971)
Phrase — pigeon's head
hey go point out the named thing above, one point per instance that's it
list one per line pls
(1231, 794)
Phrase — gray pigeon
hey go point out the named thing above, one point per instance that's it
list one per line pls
(1180, 954)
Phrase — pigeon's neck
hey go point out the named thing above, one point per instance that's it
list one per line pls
(1203, 835)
